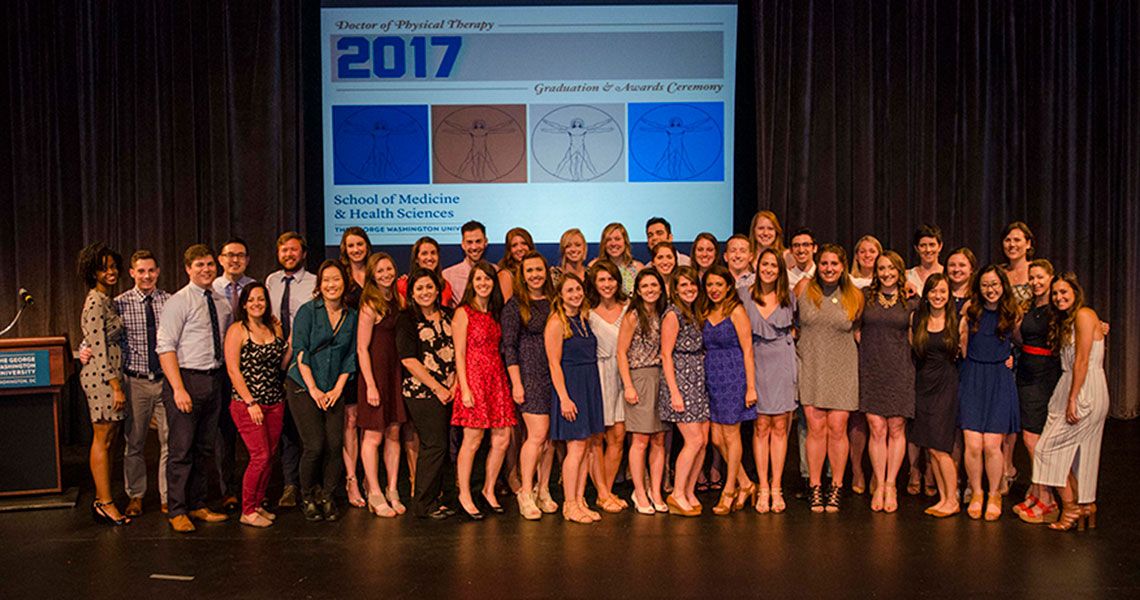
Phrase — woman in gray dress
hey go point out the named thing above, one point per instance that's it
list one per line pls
(771, 310)
(639, 362)
(886, 375)
(101, 377)
(829, 310)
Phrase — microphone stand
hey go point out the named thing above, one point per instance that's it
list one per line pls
(15, 319)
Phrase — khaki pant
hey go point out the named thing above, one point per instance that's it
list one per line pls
(144, 401)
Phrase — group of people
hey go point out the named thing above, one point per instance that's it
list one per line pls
(338, 371)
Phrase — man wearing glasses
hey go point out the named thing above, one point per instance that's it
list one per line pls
(803, 257)
(233, 259)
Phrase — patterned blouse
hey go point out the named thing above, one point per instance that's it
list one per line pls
(260, 366)
(645, 348)
(429, 342)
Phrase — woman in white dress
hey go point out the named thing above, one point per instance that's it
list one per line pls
(1068, 453)
(609, 302)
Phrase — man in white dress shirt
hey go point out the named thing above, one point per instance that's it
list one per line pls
(290, 287)
(803, 257)
(189, 348)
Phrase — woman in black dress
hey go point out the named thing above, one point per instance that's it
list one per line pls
(934, 337)
(1038, 370)
(355, 248)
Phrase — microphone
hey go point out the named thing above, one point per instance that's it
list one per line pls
(26, 297)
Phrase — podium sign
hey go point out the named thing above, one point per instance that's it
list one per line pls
(32, 375)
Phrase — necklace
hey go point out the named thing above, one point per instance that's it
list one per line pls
(887, 301)
(578, 326)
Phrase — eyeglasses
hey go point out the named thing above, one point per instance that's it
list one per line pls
(239, 255)
(802, 244)
(990, 286)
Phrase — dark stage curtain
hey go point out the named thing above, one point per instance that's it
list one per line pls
(877, 116)
(158, 124)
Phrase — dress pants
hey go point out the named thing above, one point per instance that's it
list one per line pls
(225, 450)
(144, 400)
(261, 441)
(322, 439)
(433, 424)
(290, 450)
(191, 438)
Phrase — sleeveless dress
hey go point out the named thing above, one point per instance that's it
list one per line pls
(725, 375)
(774, 355)
(689, 370)
(935, 422)
(486, 376)
(886, 367)
(260, 366)
(523, 345)
(1064, 447)
(388, 375)
(613, 402)
(645, 370)
(580, 372)
(829, 359)
(1037, 374)
(987, 393)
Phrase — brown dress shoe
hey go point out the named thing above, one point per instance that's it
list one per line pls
(207, 515)
(182, 524)
(134, 507)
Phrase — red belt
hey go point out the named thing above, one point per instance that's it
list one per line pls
(1036, 351)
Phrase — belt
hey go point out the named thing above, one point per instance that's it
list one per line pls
(147, 376)
(1036, 350)
(210, 372)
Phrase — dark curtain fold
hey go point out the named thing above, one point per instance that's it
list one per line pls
(158, 124)
(877, 116)
(143, 125)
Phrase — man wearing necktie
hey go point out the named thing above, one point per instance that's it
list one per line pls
(141, 308)
(290, 287)
(189, 349)
(234, 260)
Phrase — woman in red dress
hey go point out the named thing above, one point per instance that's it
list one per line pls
(484, 397)
(381, 409)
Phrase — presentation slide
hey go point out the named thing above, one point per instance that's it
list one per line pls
(545, 117)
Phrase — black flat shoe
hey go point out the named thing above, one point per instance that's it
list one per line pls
(475, 516)
(311, 511)
(101, 517)
(329, 510)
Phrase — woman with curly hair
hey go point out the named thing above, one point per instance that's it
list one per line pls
(102, 376)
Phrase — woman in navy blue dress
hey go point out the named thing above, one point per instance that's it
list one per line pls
(524, 353)
(576, 416)
(731, 381)
(987, 391)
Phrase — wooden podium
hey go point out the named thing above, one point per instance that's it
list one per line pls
(33, 372)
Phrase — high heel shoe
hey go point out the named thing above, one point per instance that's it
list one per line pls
(834, 498)
(764, 501)
(890, 498)
(1025, 505)
(354, 498)
(527, 508)
(778, 504)
(1072, 516)
(1089, 512)
(393, 497)
(494, 507)
(725, 504)
(100, 516)
(993, 507)
(815, 498)
(378, 506)
(546, 503)
(647, 509)
(745, 495)
(675, 508)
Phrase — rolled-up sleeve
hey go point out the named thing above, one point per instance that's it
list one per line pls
(302, 333)
(171, 324)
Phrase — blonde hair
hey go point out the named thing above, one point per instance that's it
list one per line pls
(373, 296)
(850, 296)
(855, 253)
(627, 254)
(564, 241)
(754, 244)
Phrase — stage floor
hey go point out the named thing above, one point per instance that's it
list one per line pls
(856, 553)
